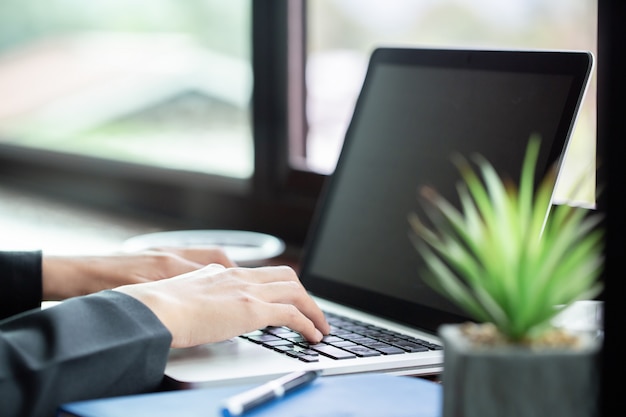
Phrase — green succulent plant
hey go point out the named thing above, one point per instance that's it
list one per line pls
(500, 258)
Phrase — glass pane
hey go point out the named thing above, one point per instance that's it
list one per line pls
(342, 34)
(158, 82)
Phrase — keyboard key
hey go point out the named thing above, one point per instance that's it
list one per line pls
(410, 346)
(309, 358)
(253, 333)
(274, 343)
(343, 343)
(365, 341)
(362, 351)
(389, 350)
(293, 353)
(283, 349)
(331, 339)
(380, 346)
(332, 352)
(263, 338)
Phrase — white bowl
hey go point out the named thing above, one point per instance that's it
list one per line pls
(243, 247)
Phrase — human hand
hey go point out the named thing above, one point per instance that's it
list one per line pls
(214, 303)
(69, 276)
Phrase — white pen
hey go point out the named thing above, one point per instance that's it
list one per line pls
(240, 403)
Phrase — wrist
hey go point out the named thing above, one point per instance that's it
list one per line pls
(159, 302)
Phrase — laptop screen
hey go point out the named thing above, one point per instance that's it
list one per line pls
(417, 108)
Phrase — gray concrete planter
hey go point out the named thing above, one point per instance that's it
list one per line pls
(511, 381)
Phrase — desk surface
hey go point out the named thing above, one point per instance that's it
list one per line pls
(29, 221)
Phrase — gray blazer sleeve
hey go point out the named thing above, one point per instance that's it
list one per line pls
(100, 345)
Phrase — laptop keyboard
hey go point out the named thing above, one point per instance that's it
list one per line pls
(348, 339)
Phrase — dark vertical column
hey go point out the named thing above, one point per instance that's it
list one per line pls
(612, 200)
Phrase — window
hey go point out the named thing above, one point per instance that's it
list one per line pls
(342, 34)
(164, 83)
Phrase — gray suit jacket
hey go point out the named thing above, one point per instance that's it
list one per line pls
(100, 345)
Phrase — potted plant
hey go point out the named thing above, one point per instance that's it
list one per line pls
(512, 267)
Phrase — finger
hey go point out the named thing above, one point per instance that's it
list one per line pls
(293, 293)
(207, 255)
(201, 255)
(204, 271)
(268, 274)
(290, 316)
(290, 291)
(213, 269)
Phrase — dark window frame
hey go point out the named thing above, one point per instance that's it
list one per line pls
(278, 199)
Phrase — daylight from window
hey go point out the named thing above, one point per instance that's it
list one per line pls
(342, 34)
(155, 82)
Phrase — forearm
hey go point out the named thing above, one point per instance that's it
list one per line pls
(101, 345)
(71, 276)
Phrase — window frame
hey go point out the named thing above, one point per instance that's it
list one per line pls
(278, 199)
(279, 56)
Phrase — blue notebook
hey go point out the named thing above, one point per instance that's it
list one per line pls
(359, 395)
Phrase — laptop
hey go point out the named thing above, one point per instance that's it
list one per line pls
(416, 109)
